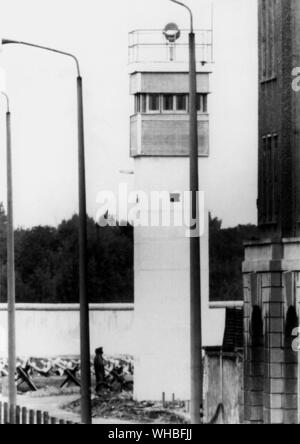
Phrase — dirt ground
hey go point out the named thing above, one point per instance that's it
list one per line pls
(109, 408)
(122, 407)
(55, 406)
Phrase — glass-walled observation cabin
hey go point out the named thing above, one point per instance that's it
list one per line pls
(167, 103)
(159, 86)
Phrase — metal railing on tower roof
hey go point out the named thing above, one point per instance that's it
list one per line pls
(151, 46)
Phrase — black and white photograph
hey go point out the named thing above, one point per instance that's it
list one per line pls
(149, 215)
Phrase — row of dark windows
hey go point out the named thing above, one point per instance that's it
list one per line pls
(159, 103)
(269, 179)
(268, 39)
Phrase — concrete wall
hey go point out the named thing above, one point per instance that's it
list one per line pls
(166, 135)
(51, 330)
(162, 307)
(166, 82)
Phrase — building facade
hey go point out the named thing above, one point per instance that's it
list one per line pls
(279, 124)
(272, 264)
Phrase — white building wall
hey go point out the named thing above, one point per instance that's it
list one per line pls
(53, 330)
(162, 307)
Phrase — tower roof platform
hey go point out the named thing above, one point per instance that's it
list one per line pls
(150, 51)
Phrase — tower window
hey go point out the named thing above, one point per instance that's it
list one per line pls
(143, 108)
(137, 104)
(149, 103)
(268, 63)
(154, 102)
(204, 98)
(168, 102)
(202, 103)
(181, 102)
(269, 179)
(174, 197)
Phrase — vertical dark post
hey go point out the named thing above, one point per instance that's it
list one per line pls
(12, 414)
(12, 392)
(46, 418)
(86, 416)
(195, 278)
(5, 414)
(32, 417)
(39, 417)
(24, 415)
(18, 415)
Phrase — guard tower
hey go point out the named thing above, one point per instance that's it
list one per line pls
(159, 144)
(272, 264)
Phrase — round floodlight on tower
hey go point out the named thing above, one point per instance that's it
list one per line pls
(172, 33)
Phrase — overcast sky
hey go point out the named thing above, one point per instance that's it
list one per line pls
(43, 96)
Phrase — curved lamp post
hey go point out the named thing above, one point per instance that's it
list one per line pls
(86, 416)
(11, 294)
(195, 262)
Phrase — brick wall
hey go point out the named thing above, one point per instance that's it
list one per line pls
(271, 366)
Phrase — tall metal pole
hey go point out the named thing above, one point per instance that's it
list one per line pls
(86, 414)
(11, 295)
(195, 262)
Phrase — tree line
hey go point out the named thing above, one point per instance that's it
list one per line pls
(46, 262)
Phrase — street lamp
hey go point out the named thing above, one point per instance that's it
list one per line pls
(84, 305)
(11, 293)
(195, 262)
